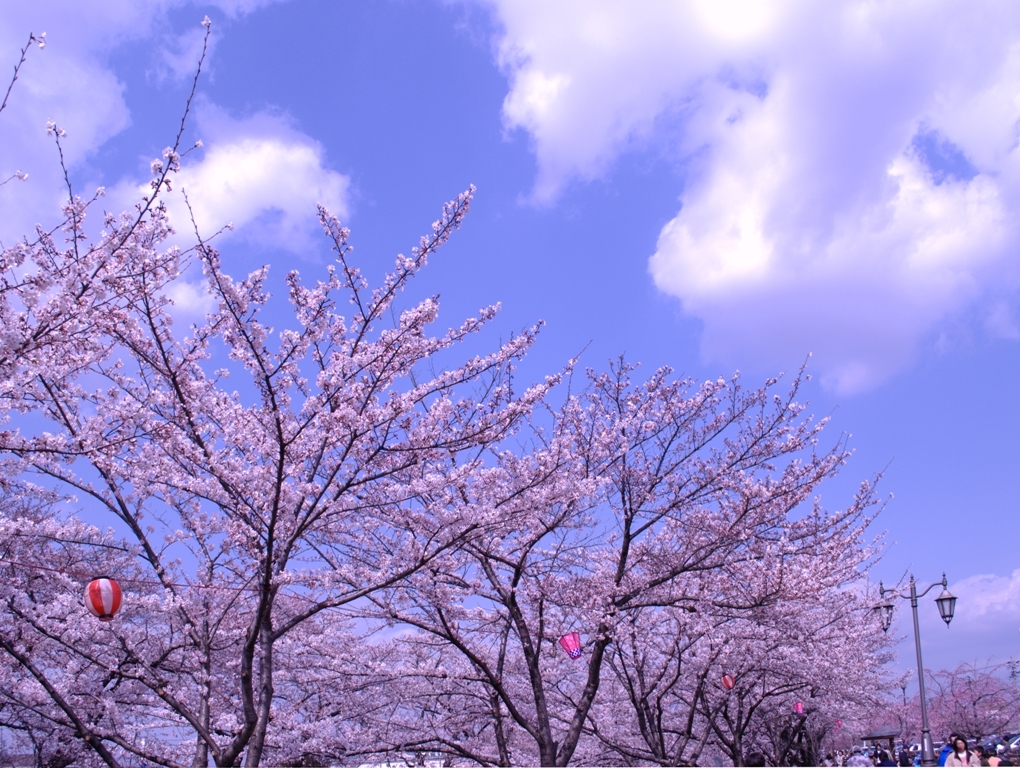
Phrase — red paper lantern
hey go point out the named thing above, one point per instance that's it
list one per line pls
(571, 643)
(728, 682)
(102, 598)
(799, 708)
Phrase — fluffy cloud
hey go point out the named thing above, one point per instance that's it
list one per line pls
(851, 168)
(191, 300)
(67, 82)
(259, 175)
(983, 630)
(987, 596)
(72, 83)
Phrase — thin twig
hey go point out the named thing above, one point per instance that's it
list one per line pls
(41, 42)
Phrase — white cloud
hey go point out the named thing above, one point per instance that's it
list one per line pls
(852, 169)
(191, 300)
(985, 624)
(256, 179)
(179, 54)
(987, 595)
(72, 82)
(983, 629)
(260, 175)
(67, 82)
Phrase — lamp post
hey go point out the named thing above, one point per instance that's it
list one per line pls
(947, 606)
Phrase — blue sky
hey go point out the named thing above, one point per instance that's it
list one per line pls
(712, 186)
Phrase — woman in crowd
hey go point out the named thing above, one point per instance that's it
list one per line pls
(960, 754)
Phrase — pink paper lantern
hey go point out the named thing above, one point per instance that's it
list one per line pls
(571, 643)
(728, 682)
(799, 708)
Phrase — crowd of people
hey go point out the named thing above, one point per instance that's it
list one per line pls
(955, 752)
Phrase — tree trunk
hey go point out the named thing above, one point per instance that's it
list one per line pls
(265, 699)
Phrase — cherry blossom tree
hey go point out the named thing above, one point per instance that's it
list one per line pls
(257, 479)
(822, 654)
(30, 535)
(334, 481)
(342, 541)
(970, 700)
(52, 687)
(60, 306)
(659, 494)
(808, 644)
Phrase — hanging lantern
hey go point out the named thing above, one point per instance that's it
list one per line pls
(799, 708)
(102, 598)
(728, 682)
(571, 643)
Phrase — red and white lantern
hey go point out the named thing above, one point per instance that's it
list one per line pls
(728, 682)
(799, 707)
(102, 598)
(571, 643)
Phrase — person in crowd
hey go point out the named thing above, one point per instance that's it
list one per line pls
(961, 755)
(999, 759)
(883, 759)
(906, 757)
(982, 755)
(859, 760)
(947, 748)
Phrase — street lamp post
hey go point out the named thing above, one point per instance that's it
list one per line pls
(947, 606)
